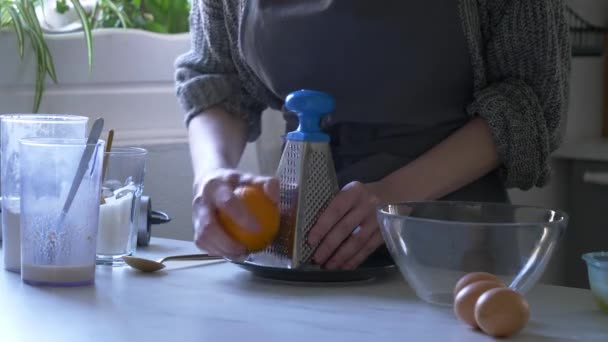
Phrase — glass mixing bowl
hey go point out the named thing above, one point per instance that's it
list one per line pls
(435, 243)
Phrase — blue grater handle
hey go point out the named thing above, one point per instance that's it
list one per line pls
(310, 106)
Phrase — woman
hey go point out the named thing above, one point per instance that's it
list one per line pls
(437, 99)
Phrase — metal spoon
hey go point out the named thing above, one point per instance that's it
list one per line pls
(147, 265)
(91, 147)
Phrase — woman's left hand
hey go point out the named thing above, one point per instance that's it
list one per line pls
(348, 229)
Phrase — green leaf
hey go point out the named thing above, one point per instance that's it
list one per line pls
(34, 31)
(163, 16)
(39, 47)
(5, 19)
(30, 14)
(50, 64)
(123, 20)
(18, 25)
(156, 27)
(94, 16)
(35, 39)
(61, 6)
(41, 67)
(39, 85)
(86, 26)
(48, 57)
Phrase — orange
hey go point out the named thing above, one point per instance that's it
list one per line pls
(263, 209)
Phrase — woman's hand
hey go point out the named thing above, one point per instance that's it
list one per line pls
(215, 192)
(348, 229)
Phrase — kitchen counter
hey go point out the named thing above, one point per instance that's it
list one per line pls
(217, 301)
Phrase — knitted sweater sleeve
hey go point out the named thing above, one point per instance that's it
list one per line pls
(206, 75)
(526, 97)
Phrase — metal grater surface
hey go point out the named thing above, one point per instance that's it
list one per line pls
(308, 182)
(289, 178)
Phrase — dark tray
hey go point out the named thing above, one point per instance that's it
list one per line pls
(370, 269)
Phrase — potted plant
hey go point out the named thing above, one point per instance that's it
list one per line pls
(36, 22)
(108, 58)
(112, 58)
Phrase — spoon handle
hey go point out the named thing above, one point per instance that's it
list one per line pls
(190, 257)
(82, 166)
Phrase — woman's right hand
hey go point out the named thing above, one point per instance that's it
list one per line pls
(215, 191)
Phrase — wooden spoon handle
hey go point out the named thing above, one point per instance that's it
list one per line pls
(190, 257)
(104, 168)
(105, 156)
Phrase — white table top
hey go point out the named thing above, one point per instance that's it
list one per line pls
(222, 302)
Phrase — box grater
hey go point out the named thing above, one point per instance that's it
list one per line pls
(307, 177)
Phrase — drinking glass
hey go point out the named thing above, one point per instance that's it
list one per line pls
(122, 188)
(58, 242)
(14, 127)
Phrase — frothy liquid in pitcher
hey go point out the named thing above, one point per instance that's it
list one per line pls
(57, 275)
(54, 251)
(11, 241)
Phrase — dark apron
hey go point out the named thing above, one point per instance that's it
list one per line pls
(399, 70)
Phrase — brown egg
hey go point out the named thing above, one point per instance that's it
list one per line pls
(464, 303)
(501, 312)
(474, 277)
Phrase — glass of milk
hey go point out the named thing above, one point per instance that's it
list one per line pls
(122, 188)
(56, 249)
(12, 128)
